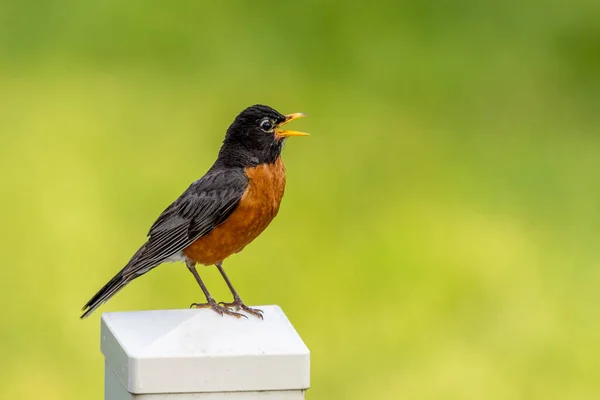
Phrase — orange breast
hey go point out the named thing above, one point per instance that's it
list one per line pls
(257, 208)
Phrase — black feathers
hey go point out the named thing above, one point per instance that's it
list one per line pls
(202, 207)
(246, 144)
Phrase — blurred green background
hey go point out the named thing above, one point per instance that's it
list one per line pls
(439, 234)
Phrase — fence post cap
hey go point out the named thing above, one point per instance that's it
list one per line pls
(196, 351)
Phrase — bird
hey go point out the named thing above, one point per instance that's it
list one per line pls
(220, 213)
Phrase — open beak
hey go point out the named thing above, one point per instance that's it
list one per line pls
(289, 118)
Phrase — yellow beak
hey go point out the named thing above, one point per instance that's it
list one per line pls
(289, 118)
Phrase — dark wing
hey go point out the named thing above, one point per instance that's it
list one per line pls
(202, 207)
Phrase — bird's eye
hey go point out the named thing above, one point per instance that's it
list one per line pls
(266, 125)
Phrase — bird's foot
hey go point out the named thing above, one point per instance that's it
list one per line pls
(238, 305)
(217, 308)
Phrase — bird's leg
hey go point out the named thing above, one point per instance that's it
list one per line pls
(237, 303)
(210, 302)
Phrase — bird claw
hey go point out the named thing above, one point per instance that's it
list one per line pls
(218, 309)
(237, 305)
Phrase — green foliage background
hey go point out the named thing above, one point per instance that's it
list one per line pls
(439, 234)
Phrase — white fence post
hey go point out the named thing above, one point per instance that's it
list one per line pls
(199, 355)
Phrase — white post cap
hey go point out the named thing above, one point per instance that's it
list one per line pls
(198, 351)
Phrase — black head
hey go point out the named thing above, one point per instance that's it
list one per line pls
(256, 137)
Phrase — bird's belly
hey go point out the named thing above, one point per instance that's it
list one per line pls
(257, 208)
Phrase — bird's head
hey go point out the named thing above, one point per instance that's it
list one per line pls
(257, 136)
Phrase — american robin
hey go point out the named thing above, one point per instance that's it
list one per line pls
(220, 213)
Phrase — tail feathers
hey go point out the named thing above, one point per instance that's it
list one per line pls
(107, 291)
(117, 283)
